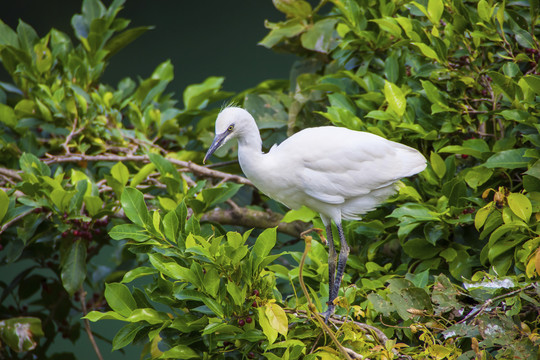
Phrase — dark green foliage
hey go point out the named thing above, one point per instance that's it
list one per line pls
(448, 268)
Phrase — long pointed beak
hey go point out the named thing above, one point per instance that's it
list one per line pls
(216, 144)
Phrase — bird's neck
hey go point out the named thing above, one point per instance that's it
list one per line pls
(250, 151)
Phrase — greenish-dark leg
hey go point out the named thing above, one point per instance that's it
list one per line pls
(342, 261)
(331, 270)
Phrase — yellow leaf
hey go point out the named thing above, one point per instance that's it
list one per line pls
(270, 332)
(396, 99)
(520, 205)
(277, 318)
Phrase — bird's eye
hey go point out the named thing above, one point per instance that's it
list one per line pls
(230, 128)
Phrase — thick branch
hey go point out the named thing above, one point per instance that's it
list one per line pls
(253, 218)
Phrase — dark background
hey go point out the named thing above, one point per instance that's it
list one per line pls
(201, 38)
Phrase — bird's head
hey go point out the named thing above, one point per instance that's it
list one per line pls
(230, 123)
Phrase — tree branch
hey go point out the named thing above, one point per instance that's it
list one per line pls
(253, 218)
(188, 165)
(82, 296)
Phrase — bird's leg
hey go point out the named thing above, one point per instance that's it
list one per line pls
(343, 254)
(331, 266)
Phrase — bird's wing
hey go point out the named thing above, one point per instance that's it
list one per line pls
(336, 164)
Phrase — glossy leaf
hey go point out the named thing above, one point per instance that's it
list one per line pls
(396, 99)
(133, 204)
(74, 267)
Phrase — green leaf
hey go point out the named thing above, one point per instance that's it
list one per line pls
(427, 51)
(186, 294)
(319, 37)
(135, 208)
(477, 176)
(109, 315)
(520, 205)
(129, 231)
(137, 273)
(534, 83)
(93, 204)
(171, 226)
(126, 335)
(149, 315)
(7, 116)
(236, 293)
(481, 216)
(484, 10)
(438, 164)
(534, 170)
(282, 31)
(120, 173)
(395, 98)
(197, 96)
(435, 10)
(296, 8)
(504, 85)
(74, 266)
(265, 242)
(30, 164)
(508, 159)
(76, 202)
(419, 248)
(180, 352)
(304, 214)
(4, 204)
(120, 299)
(172, 269)
(21, 334)
(389, 25)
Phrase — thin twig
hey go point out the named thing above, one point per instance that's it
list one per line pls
(10, 173)
(14, 220)
(477, 311)
(82, 296)
(74, 131)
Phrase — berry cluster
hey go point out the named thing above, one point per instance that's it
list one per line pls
(84, 229)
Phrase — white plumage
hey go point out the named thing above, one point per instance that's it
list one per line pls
(337, 172)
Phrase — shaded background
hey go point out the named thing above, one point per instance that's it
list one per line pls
(201, 37)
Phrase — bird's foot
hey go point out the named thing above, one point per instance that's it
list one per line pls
(328, 313)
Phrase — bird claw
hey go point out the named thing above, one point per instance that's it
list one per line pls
(328, 313)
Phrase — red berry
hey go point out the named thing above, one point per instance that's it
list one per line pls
(249, 320)
(464, 156)
(65, 234)
(76, 232)
(254, 304)
(1, 247)
(241, 322)
(251, 355)
(256, 292)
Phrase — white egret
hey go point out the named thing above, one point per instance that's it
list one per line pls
(339, 173)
